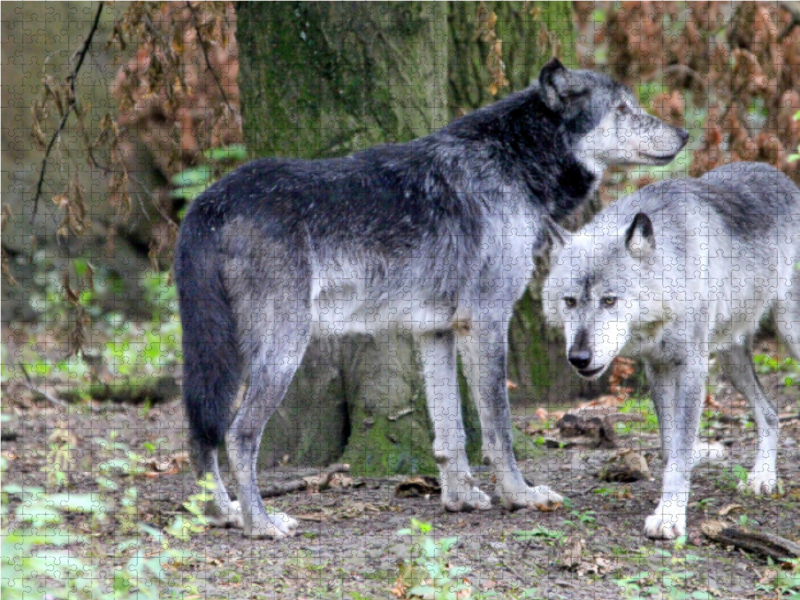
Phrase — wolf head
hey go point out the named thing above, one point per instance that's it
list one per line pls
(603, 289)
(604, 121)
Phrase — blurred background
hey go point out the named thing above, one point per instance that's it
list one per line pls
(170, 96)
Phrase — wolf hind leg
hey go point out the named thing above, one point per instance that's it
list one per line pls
(274, 364)
(737, 363)
(459, 493)
(786, 313)
(221, 511)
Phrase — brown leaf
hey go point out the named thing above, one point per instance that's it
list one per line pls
(417, 486)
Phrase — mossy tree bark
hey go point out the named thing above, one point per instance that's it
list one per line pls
(326, 79)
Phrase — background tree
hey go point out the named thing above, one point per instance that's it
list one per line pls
(326, 79)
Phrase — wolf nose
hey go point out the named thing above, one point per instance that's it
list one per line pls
(580, 359)
(684, 135)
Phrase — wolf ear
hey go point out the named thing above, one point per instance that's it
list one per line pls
(640, 239)
(558, 83)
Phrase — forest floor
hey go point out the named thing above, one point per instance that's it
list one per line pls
(348, 544)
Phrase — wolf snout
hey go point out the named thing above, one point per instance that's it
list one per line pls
(580, 359)
(676, 140)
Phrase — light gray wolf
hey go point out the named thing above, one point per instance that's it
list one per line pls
(672, 274)
(436, 236)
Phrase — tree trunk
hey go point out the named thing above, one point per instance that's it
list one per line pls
(327, 79)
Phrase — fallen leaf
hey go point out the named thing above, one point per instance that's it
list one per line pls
(573, 551)
(418, 486)
(626, 466)
(730, 508)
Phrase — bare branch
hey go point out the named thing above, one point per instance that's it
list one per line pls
(73, 105)
(794, 11)
(202, 42)
(28, 383)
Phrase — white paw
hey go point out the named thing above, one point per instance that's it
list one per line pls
(667, 523)
(218, 517)
(466, 500)
(540, 497)
(759, 482)
(275, 525)
(713, 453)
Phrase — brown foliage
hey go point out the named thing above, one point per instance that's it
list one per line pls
(740, 63)
(176, 94)
(179, 91)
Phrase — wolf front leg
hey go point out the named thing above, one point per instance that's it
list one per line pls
(483, 352)
(438, 357)
(678, 390)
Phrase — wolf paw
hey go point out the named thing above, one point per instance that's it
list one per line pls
(540, 497)
(667, 523)
(275, 525)
(708, 452)
(219, 517)
(758, 482)
(465, 500)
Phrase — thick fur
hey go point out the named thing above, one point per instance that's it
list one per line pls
(437, 236)
(674, 273)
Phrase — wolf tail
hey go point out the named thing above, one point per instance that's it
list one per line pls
(211, 359)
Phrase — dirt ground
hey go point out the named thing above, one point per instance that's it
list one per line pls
(348, 547)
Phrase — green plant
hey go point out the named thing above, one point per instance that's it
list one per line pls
(644, 407)
(438, 580)
(584, 518)
(794, 157)
(189, 184)
(782, 580)
(741, 474)
(39, 547)
(541, 533)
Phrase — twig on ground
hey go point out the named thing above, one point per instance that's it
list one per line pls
(320, 482)
(767, 544)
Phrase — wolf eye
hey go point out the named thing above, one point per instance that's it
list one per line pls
(609, 301)
(622, 108)
(570, 302)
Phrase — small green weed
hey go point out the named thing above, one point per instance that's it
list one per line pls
(541, 533)
(429, 565)
(35, 535)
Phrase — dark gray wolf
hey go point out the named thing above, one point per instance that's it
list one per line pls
(437, 236)
(673, 273)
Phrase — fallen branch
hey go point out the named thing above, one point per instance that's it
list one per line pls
(28, 383)
(316, 482)
(767, 544)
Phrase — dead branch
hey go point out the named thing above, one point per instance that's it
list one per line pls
(794, 11)
(767, 544)
(72, 106)
(202, 41)
(317, 482)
